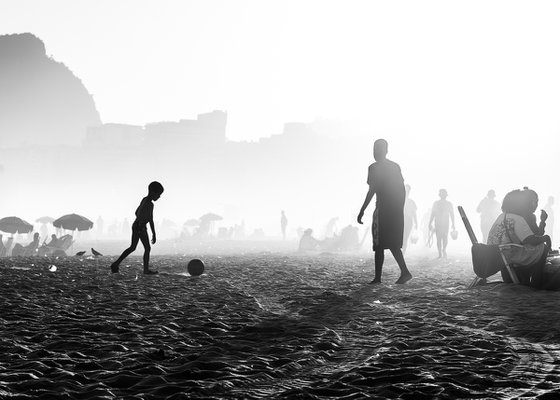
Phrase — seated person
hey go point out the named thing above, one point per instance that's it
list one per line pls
(53, 242)
(524, 203)
(28, 250)
(533, 248)
(307, 241)
(347, 241)
(32, 247)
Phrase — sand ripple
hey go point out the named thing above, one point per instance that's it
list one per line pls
(270, 325)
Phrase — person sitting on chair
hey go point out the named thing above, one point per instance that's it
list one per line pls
(32, 247)
(28, 250)
(511, 227)
(53, 242)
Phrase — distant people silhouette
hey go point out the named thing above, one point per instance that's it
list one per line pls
(489, 209)
(349, 239)
(30, 249)
(144, 215)
(53, 242)
(2, 248)
(125, 227)
(549, 209)
(44, 231)
(308, 242)
(283, 224)
(386, 182)
(442, 212)
(410, 219)
(7, 249)
(331, 228)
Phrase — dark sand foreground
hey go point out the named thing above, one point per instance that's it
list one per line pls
(271, 326)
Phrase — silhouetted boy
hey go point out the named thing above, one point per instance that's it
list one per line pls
(386, 182)
(144, 215)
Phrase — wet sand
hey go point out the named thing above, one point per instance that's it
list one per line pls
(271, 326)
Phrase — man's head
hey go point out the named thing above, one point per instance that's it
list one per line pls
(155, 189)
(380, 148)
(491, 194)
(443, 194)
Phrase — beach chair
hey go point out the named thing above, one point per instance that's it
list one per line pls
(62, 245)
(487, 259)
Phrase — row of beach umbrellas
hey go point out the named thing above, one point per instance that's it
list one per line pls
(71, 222)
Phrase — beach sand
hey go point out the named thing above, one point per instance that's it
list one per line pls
(271, 325)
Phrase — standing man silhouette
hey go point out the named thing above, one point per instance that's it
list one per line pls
(489, 209)
(442, 212)
(283, 224)
(386, 182)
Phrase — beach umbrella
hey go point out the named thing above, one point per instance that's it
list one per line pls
(73, 222)
(15, 225)
(45, 220)
(211, 217)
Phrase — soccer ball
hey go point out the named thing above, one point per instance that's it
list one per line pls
(195, 267)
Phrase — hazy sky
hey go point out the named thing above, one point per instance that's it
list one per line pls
(430, 68)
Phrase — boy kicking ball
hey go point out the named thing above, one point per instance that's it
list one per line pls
(144, 215)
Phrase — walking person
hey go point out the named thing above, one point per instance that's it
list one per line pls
(385, 181)
(489, 209)
(283, 224)
(442, 212)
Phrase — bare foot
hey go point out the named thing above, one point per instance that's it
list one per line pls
(114, 268)
(375, 281)
(404, 278)
(150, 272)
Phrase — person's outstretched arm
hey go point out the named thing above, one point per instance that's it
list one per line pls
(367, 200)
(452, 215)
(536, 239)
(542, 224)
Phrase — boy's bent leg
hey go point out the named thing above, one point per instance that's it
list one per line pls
(126, 253)
(405, 273)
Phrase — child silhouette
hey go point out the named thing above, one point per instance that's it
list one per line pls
(144, 215)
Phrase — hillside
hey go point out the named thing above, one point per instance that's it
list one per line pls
(41, 100)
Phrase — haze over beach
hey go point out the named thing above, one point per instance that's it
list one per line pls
(243, 131)
(459, 90)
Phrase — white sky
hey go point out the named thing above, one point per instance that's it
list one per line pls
(429, 67)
